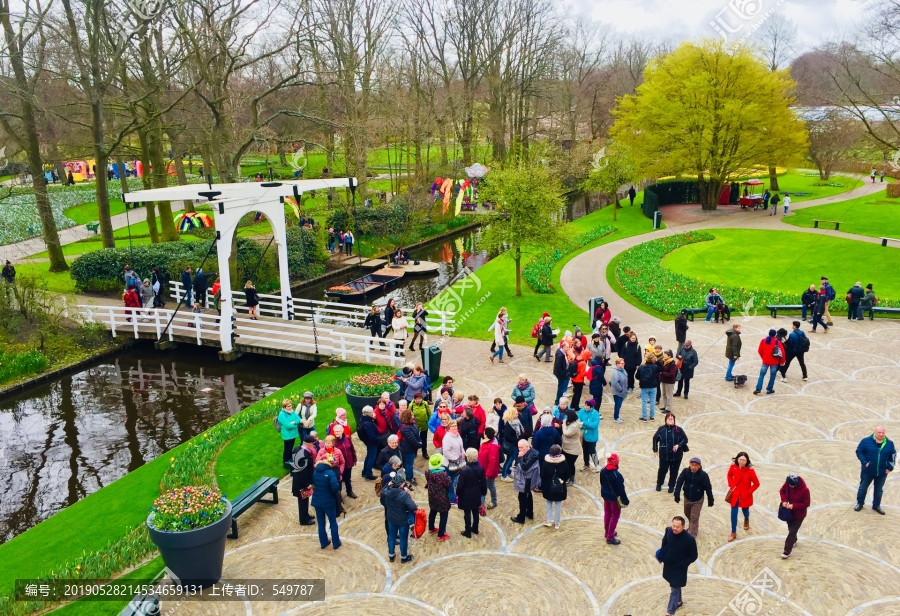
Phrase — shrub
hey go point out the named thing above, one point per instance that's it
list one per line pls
(187, 508)
(537, 271)
(17, 365)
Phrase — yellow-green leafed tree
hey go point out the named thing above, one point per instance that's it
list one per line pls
(710, 110)
(529, 210)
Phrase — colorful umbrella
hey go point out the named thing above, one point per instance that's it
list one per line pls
(192, 220)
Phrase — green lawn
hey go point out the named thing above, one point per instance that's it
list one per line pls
(498, 278)
(106, 515)
(875, 216)
(60, 283)
(87, 212)
(787, 261)
(802, 181)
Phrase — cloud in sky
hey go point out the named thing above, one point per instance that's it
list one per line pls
(817, 20)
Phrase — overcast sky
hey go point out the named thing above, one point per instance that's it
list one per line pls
(817, 20)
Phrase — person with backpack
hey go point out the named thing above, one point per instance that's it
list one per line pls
(612, 491)
(795, 502)
(326, 491)
(854, 296)
(830, 294)
(555, 475)
(694, 482)
(772, 353)
(287, 423)
(648, 380)
(536, 332)
(796, 346)
(669, 444)
(471, 488)
(398, 504)
(867, 303)
(437, 482)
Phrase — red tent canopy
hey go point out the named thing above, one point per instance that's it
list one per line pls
(753, 182)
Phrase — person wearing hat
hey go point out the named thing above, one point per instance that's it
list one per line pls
(340, 419)
(689, 360)
(437, 482)
(867, 302)
(326, 488)
(302, 469)
(794, 504)
(612, 490)
(398, 504)
(681, 328)
(307, 411)
(527, 411)
(772, 353)
(693, 482)
(368, 434)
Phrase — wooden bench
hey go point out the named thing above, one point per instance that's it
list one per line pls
(774, 308)
(837, 224)
(692, 311)
(141, 605)
(885, 240)
(249, 497)
(883, 310)
(93, 226)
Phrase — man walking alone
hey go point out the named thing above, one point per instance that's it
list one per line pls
(694, 483)
(877, 455)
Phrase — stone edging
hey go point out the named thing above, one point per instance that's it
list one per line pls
(58, 372)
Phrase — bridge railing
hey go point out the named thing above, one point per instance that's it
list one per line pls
(287, 336)
(335, 313)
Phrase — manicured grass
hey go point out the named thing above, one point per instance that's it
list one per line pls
(87, 212)
(787, 261)
(874, 215)
(148, 571)
(800, 181)
(108, 514)
(498, 278)
(240, 464)
(58, 282)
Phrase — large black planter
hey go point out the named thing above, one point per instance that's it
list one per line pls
(194, 556)
(358, 402)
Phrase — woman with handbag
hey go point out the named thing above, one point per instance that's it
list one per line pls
(612, 490)
(399, 324)
(794, 504)
(742, 483)
(420, 327)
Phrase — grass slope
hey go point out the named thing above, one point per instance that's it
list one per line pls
(498, 278)
(107, 514)
(874, 215)
(87, 212)
(787, 261)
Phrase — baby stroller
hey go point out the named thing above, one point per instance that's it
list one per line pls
(723, 312)
(740, 380)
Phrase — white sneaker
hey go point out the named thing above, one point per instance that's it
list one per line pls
(805, 379)
(784, 379)
(619, 420)
(785, 555)
(596, 469)
(548, 524)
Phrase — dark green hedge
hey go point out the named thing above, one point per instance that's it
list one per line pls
(102, 271)
(668, 193)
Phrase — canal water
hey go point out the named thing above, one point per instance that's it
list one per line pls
(455, 255)
(61, 441)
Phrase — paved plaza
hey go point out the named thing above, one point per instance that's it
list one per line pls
(845, 562)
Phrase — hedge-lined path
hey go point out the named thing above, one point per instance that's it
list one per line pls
(843, 560)
(585, 276)
(21, 250)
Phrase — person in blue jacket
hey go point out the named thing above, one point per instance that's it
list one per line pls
(326, 487)
(546, 437)
(877, 455)
(590, 434)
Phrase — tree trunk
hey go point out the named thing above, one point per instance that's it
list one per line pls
(160, 179)
(709, 193)
(100, 160)
(615, 204)
(518, 258)
(144, 140)
(207, 161)
(120, 166)
(773, 178)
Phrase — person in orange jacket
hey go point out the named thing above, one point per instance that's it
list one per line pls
(742, 483)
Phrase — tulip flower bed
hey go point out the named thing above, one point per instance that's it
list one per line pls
(640, 272)
(187, 508)
(537, 272)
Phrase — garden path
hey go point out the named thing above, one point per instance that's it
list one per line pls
(843, 563)
(585, 276)
(21, 250)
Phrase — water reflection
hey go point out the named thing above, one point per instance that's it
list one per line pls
(64, 440)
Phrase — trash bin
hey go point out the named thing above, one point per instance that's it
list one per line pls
(593, 304)
(657, 219)
(431, 360)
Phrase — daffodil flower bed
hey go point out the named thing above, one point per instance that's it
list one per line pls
(187, 508)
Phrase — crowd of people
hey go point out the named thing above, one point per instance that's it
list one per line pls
(472, 447)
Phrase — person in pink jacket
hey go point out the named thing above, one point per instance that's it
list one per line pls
(772, 353)
(489, 459)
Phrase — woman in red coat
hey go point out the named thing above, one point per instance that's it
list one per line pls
(794, 498)
(742, 483)
(489, 459)
(344, 442)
